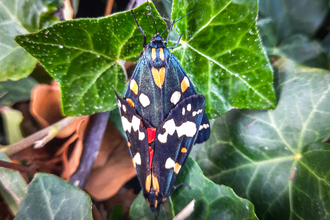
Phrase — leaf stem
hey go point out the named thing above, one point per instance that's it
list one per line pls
(39, 138)
(186, 211)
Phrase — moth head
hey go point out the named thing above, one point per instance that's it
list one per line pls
(157, 38)
(154, 199)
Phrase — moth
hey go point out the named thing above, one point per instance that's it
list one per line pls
(162, 116)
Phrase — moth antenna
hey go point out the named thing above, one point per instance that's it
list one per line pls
(176, 42)
(152, 16)
(177, 186)
(174, 21)
(144, 36)
(169, 31)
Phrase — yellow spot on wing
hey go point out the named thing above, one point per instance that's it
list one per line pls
(158, 76)
(155, 184)
(128, 144)
(134, 86)
(148, 183)
(184, 150)
(177, 168)
(161, 54)
(184, 84)
(130, 101)
(153, 54)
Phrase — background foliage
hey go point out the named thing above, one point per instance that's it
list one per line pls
(274, 157)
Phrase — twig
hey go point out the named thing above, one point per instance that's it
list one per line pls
(50, 136)
(108, 8)
(42, 135)
(92, 141)
(18, 167)
(186, 211)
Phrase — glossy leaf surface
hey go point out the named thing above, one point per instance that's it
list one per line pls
(83, 56)
(276, 158)
(222, 53)
(21, 17)
(50, 197)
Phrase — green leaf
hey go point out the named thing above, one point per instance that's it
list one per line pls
(50, 197)
(14, 91)
(258, 152)
(223, 56)
(83, 55)
(12, 186)
(212, 201)
(21, 17)
(12, 124)
(294, 16)
(311, 54)
(311, 183)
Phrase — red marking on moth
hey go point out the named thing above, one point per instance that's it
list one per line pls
(151, 155)
(151, 132)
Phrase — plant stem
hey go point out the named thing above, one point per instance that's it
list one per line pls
(92, 141)
(185, 213)
(40, 137)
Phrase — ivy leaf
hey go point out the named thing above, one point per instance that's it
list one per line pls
(12, 186)
(276, 158)
(12, 120)
(212, 201)
(294, 16)
(21, 17)
(312, 54)
(223, 56)
(50, 197)
(83, 55)
(13, 91)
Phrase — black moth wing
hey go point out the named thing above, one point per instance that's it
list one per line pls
(175, 73)
(145, 86)
(137, 140)
(174, 140)
(161, 100)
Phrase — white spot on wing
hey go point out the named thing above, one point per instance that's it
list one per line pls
(137, 159)
(183, 111)
(141, 136)
(175, 98)
(135, 124)
(189, 107)
(144, 100)
(170, 127)
(124, 108)
(188, 129)
(194, 113)
(169, 164)
(119, 103)
(204, 126)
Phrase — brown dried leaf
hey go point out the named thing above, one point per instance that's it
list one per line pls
(74, 160)
(112, 168)
(45, 103)
(46, 107)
